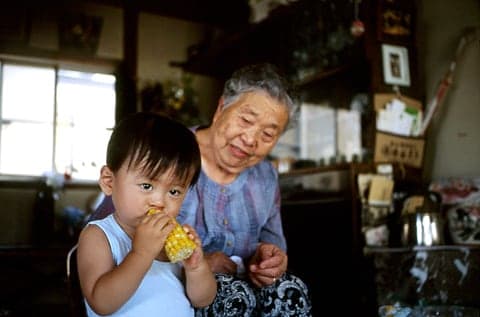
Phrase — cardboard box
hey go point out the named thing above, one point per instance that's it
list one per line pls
(395, 148)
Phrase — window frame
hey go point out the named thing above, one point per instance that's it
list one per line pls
(96, 65)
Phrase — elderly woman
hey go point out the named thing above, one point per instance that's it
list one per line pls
(235, 205)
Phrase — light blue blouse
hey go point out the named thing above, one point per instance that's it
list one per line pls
(234, 218)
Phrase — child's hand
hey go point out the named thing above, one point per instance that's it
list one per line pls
(197, 256)
(151, 233)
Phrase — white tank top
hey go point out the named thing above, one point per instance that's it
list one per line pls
(161, 292)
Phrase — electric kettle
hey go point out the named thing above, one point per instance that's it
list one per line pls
(422, 221)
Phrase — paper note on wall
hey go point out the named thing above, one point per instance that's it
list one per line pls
(349, 133)
(317, 131)
(287, 145)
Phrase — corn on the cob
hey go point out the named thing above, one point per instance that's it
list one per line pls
(178, 246)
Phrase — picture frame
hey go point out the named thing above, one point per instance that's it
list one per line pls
(395, 20)
(79, 33)
(396, 68)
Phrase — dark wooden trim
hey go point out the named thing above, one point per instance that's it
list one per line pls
(127, 74)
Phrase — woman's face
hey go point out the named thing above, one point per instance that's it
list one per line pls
(246, 131)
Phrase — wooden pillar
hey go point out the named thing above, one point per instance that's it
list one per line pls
(127, 74)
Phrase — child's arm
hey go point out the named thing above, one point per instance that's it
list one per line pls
(106, 286)
(201, 285)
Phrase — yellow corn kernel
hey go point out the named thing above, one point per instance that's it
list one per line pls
(152, 211)
(178, 245)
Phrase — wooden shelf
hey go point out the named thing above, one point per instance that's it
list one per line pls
(255, 42)
(447, 247)
(315, 170)
(271, 40)
(327, 73)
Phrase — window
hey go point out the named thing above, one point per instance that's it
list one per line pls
(54, 120)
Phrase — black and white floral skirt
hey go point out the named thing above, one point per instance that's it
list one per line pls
(288, 296)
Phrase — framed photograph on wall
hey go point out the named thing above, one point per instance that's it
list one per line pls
(395, 20)
(396, 69)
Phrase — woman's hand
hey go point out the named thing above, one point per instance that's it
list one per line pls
(267, 264)
(220, 263)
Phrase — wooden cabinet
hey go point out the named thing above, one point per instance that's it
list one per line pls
(319, 243)
(306, 38)
(321, 213)
(316, 215)
(223, 51)
(440, 278)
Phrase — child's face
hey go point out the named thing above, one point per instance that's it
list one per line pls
(134, 193)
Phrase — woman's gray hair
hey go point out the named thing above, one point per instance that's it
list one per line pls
(267, 78)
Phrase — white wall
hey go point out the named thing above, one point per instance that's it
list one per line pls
(44, 28)
(161, 40)
(453, 140)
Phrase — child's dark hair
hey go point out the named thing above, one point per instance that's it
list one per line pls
(155, 143)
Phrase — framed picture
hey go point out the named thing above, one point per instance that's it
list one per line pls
(395, 65)
(79, 33)
(395, 20)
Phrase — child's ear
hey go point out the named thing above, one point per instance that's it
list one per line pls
(106, 180)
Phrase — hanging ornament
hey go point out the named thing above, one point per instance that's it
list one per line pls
(357, 28)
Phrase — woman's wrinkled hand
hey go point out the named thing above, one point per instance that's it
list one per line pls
(267, 264)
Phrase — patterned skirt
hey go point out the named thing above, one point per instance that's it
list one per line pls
(288, 296)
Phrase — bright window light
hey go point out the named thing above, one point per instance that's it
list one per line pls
(54, 120)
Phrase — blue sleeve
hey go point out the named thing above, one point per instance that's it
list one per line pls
(272, 231)
(104, 209)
